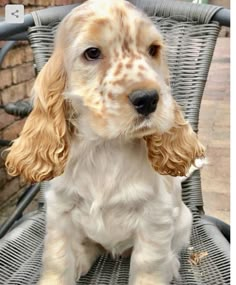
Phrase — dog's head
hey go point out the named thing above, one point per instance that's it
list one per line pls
(107, 78)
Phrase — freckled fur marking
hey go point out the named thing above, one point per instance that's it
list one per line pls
(118, 82)
(104, 68)
(118, 69)
(97, 28)
(140, 74)
(141, 67)
(129, 65)
(101, 22)
(110, 96)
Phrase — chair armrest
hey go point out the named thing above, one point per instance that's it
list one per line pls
(28, 196)
(202, 13)
(7, 30)
(222, 226)
(223, 17)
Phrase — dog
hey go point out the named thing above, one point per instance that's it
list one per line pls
(107, 133)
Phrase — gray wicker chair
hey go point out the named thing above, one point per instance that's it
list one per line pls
(190, 32)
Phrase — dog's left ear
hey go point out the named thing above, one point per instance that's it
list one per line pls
(173, 152)
(41, 151)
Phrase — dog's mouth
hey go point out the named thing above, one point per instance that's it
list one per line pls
(143, 126)
(143, 122)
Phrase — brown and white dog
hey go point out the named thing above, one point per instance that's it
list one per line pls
(107, 132)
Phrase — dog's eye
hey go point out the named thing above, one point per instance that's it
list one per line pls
(92, 53)
(153, 50)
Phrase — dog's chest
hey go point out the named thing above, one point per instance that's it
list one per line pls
(112, 227)
(111, 188)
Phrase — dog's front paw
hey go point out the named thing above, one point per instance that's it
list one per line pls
(148, 279)
(51, 279)
(82, 269)
(149, 282)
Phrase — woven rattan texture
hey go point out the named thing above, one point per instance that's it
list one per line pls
(202, 14)
(21, 253)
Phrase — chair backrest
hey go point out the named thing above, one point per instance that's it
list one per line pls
(190, 37)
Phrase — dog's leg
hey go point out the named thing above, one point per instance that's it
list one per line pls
(66, 258)
(183, 226)
(86, 253)
(153, 262)
(58, 259)
(148, 279)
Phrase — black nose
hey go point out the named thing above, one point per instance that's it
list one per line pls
(144, 101)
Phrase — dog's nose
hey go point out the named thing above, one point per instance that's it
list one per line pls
(144, 101)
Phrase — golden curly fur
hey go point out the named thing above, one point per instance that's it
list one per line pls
(173, 152)
(41, 151)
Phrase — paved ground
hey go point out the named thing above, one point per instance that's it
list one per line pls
(214, 131)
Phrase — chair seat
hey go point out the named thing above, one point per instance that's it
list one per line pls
(21, 254)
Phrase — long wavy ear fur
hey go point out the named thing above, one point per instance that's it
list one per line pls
(172, 153)
(41, 151)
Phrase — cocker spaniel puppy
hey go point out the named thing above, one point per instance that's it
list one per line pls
(107, 132)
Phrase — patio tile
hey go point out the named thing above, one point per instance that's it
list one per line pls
(214, 132)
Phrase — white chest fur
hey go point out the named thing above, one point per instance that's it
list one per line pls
(106, 188)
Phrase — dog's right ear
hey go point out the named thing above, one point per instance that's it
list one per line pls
(41, 151)
(173, 152)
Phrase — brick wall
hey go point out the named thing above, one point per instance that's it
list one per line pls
(16, 80)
